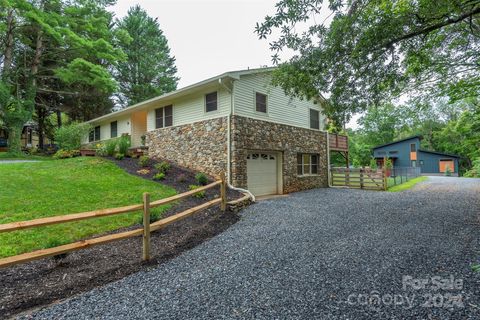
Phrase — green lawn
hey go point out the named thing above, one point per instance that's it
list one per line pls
(407, 185)
(8, 156)
(58, 187)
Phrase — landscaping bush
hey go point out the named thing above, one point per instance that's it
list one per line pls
(448, 171)
(475, 171)
(65, 154)
(201, 178)
(162, 167)
(69, 137)
(143, 161)
(123, 144)
(100, 150)
(373, 164)
(159, 176)
(119, 156)
(200, 194)
(110, 147)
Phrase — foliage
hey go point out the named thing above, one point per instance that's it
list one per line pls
(162, 167)
(110, 147)
(123, 144)
(100, 150)
(200, 194)
(143, 139)
(74, 185)
(143, 161)
(69, 137)
(475, 171)
(119, 156)
(369, 52)
(64, 154)
(448, 171)
(388, 163)
(159, 176)
(143, 172)
(201, 178)
(476, 267)
(149, 69)
(373, 164)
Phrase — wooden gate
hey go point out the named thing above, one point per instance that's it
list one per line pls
(360, 178)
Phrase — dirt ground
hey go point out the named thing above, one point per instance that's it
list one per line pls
(41, 282)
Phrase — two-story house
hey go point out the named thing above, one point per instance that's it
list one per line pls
(407, 153)
(238, 123)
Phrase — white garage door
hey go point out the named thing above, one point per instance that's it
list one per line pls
(262, 173)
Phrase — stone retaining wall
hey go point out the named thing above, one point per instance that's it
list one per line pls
(200, 146)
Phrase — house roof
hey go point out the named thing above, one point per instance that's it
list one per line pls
(402, 140)
(234, 75)
(440, 153)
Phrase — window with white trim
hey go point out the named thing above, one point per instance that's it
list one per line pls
(94, 134)
(307, 164)
(314, 119)
(164, 117)
(260, 102)
(211, 103)
(113, 129)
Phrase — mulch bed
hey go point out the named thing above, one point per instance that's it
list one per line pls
(42, 282)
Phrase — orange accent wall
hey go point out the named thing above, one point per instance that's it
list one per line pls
(444, 163)
(413, 155)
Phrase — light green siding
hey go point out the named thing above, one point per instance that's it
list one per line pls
(280, 108)
(123, 126)
(191, 108)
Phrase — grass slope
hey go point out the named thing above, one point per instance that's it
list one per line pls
(50, 188)
(407, 185)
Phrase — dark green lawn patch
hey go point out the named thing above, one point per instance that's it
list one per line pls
(51, 188)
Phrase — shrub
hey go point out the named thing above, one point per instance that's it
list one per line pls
(159, 176)
(119, 156)
(373, 164)
(110, 147)
(201, 178)
(200, 194)
(389, 164)
(143, 172)
(123, 144)
(448, 171)
(163, 167)
(69, 137)
(64, 154)
(143, 139)
(474, 172)
(181, 178)
(101, 150)
(143, 161)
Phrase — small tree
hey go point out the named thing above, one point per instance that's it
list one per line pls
(70, 137)
(373, 164)
(448, 171)
(388, 164)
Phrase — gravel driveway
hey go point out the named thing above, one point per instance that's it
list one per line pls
(327, 253)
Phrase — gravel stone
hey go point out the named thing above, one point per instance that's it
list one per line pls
(304, 256)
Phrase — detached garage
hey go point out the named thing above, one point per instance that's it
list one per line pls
(263, 174)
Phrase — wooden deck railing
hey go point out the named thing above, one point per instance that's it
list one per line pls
(145, 231)
(338, 142)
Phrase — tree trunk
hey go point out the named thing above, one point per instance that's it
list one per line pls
(14, 139)
(7, 62)
(59, 118)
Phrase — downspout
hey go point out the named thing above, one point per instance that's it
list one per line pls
(328, 160)
(229, 142)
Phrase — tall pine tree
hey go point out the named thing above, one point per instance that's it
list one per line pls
(149, 70)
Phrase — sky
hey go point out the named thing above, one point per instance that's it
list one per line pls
(209, 37)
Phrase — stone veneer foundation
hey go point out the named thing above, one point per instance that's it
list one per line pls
(251, 135)
(202, 146)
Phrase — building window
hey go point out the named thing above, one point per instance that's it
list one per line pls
(393, 152)
(314, 119)
(421, 162)
(261, 102)
(164, 117)
(94, 134)
(413, 147)
(382, 153)
(113, 129)
(414, 163)
(211, 102)
(307, 164)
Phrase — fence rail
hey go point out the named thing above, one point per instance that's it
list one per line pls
(145, 231)
(361, 178)
(399, 175)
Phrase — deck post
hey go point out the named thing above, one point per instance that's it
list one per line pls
(146, 226)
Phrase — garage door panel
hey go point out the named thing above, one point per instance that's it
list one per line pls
(262, 173)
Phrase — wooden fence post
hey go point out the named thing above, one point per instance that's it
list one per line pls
(385, 178)
(146, 226)
(361, 177)
(223, 192)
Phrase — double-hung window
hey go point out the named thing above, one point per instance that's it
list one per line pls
(260, 102)
(164, 117)
(314, 119)
(113, 129)
(94, 134)
(307, 164)
(211, 102)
